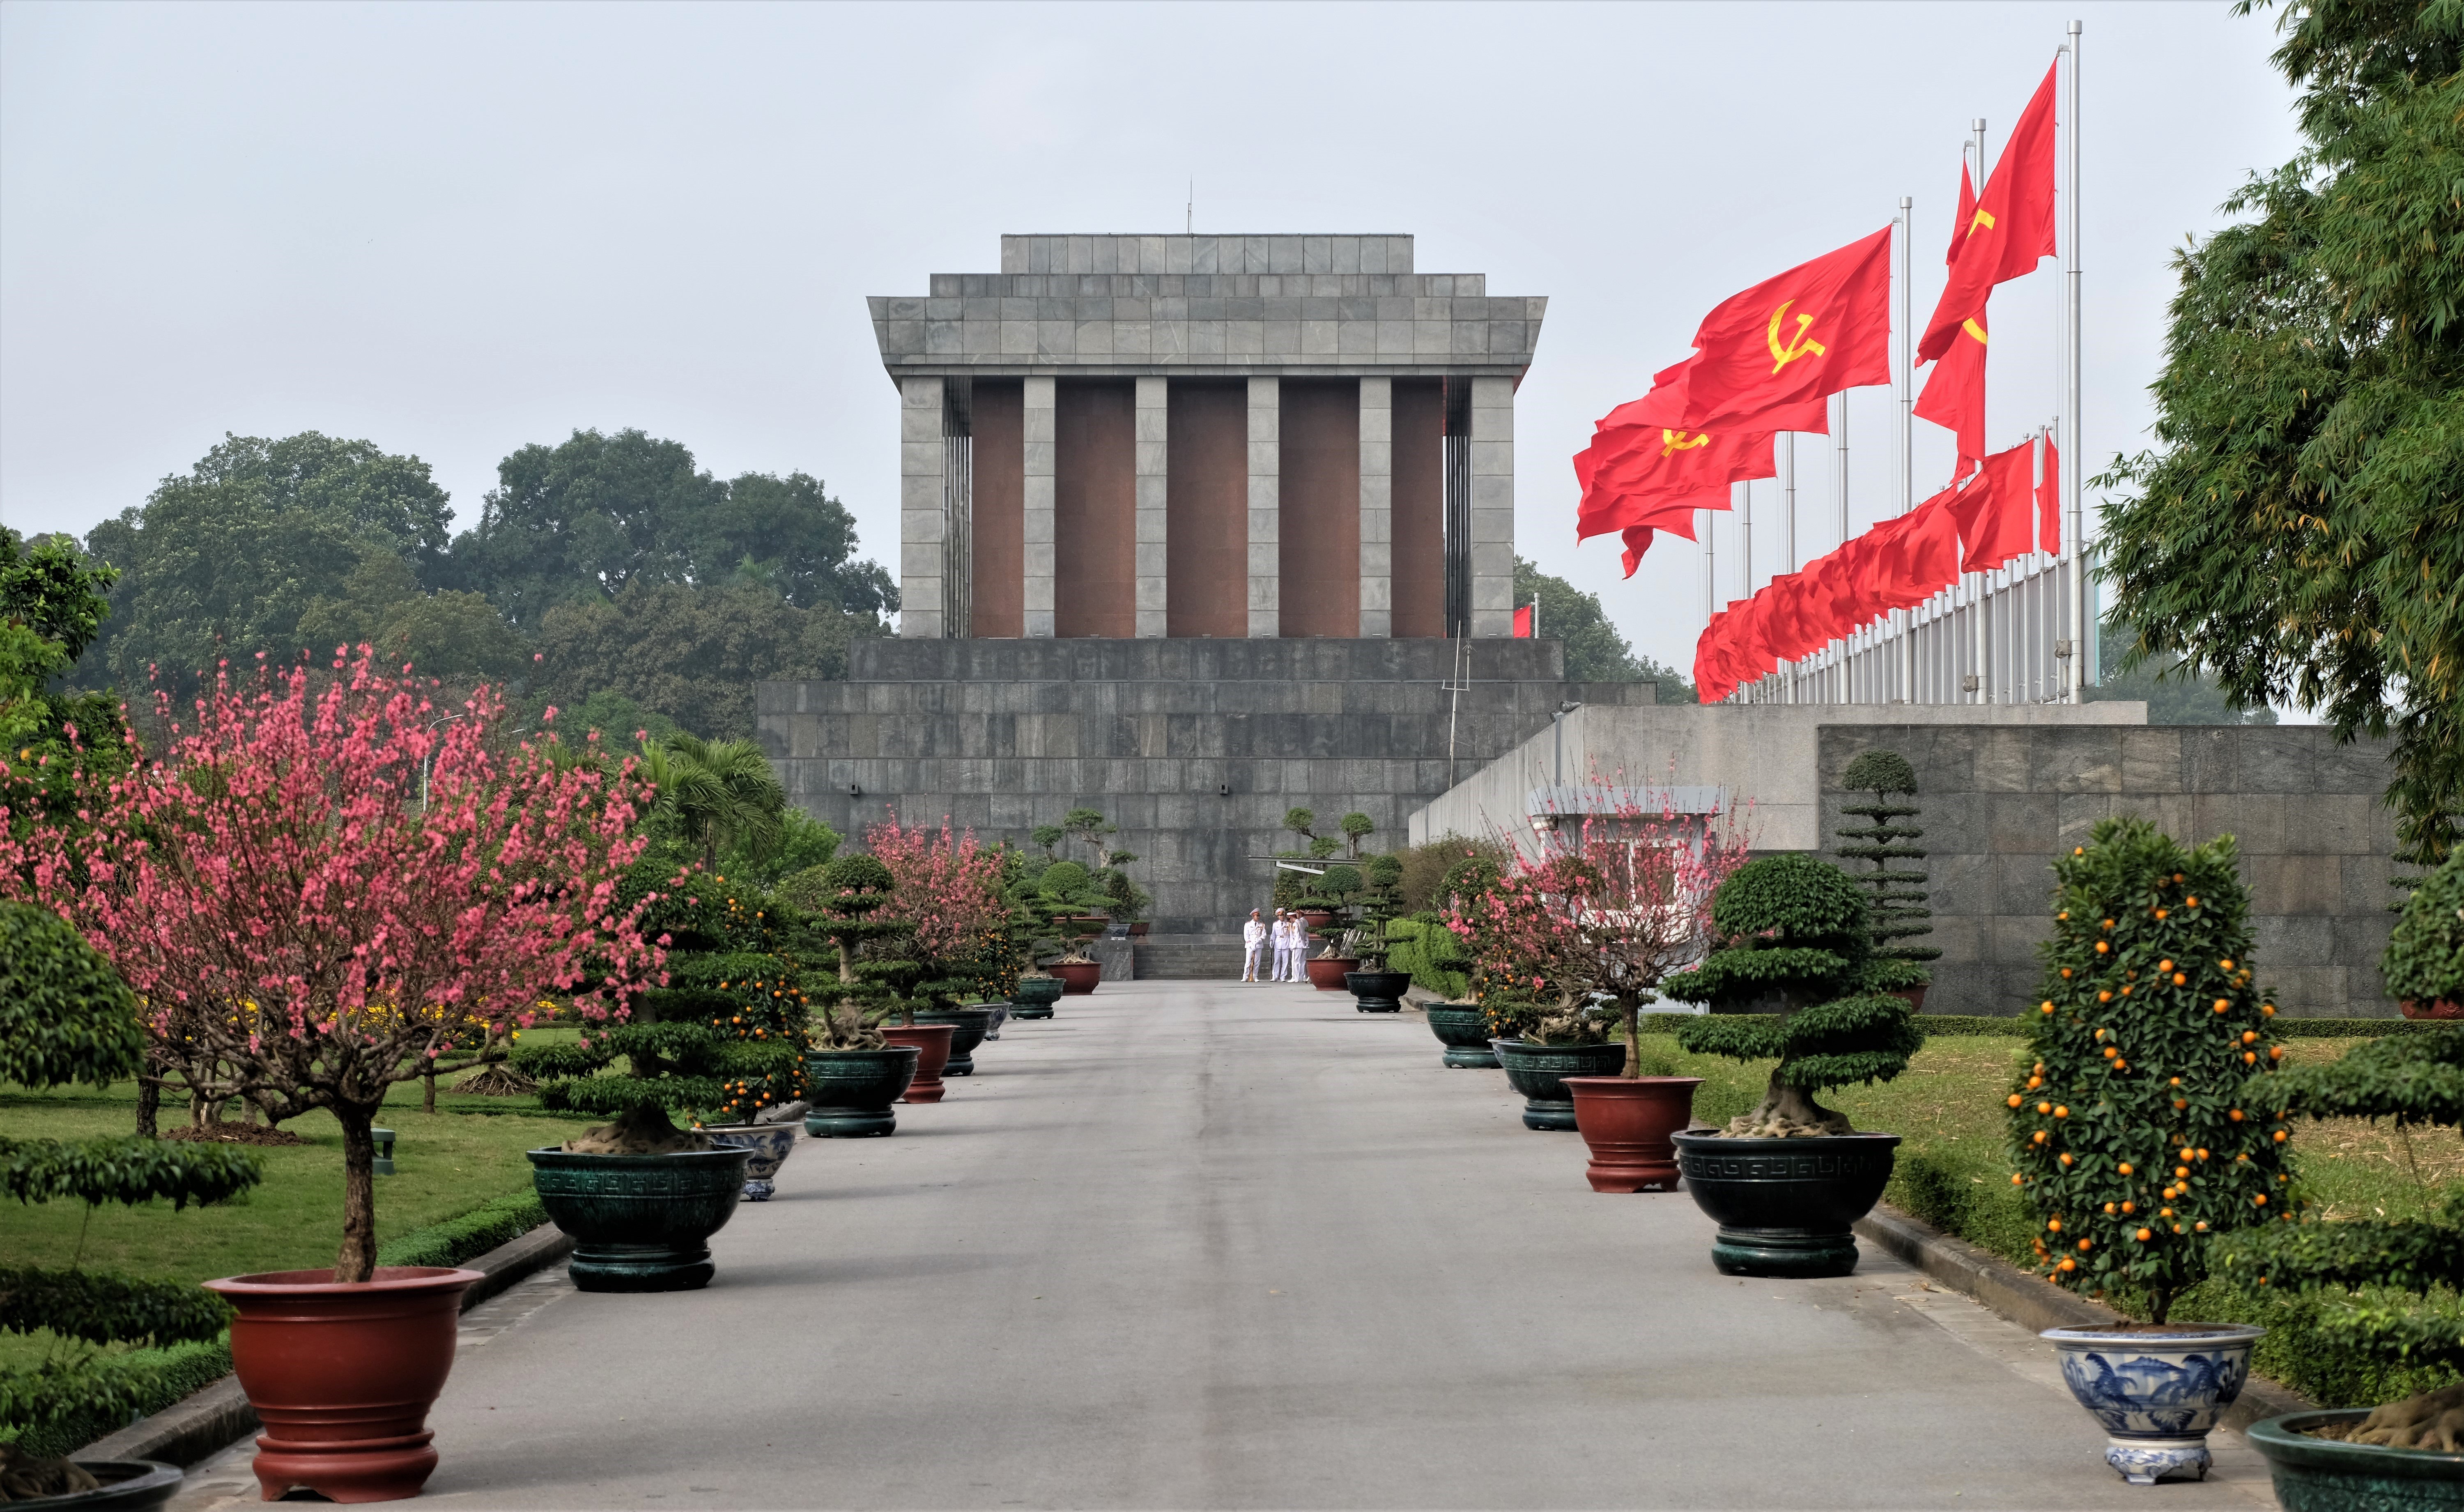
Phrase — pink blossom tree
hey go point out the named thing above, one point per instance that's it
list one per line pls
(948, 888)
(1615, 898)
(324, 891)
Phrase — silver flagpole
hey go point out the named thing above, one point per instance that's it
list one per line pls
(2073, 502)
(1905, 374)
(1741, 496)
(1979, 585)
(1787, 536)
(1710, 569)
(1839, 434)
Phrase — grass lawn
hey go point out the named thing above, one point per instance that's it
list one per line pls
(1952, 1174)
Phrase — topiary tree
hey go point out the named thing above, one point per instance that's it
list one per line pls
(2377, 1279)
(1897, 896)
(2147, 1120)
(844, 904)
(1381, 875)
(1356, 827)
(2424, 964)
(65, 1017)
(1790, 982)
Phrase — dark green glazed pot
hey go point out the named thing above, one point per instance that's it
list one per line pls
(1035, 996)
(2324, 1475)
(851, 1091)
(967, 1026)
(1464, 1030)
(1377, 992)
(134, 1485)
(1533, 1070)
(1783, 1205)
(640, 1223)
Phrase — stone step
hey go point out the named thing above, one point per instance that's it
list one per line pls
(1188, 958)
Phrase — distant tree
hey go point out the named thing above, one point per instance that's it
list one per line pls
(716, 797)
(2174, 693)
(1595, 651)
(454, 635)
(59, 749)
(692, 654)
(2298, 530)
(787, 535)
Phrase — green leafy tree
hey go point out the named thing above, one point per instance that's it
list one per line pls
(2300, 528)
(1896, 895)
(1792, 981)
(691, 653)
(2425, 955)
(2146, 1121)
(791, 537)
(2174, 693)
(842, 904)
(1595, 651)
(67, 1017)
(60, 750)
(716, 797)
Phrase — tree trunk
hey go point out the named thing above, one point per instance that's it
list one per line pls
(357, 1260)
(149, 1103)
(427, 1079)
(1787, 1110)
(1632, 1039)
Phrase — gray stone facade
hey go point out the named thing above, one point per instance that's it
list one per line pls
(1999, 804)
(1264, 309)
(1193, 748)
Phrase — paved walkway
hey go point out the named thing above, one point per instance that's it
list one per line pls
(1207, 1245)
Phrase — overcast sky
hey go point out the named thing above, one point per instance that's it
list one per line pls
(457, 229)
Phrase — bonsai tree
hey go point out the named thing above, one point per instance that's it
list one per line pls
(1067, 897)
(1356, 827)
(1533, 970)
(1897, 895)
(278, 891)
(844, 904)
(65, 1017)
(1382, 877)
(1789, 983)
(1333, 891)
(948, 889)
(2148, 1120)
(2377, 1276)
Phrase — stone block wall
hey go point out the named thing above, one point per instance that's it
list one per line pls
(1193, 748)
(1999, 803)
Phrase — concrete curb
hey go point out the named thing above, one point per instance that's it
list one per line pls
(205, 1421)
(2032, 1303)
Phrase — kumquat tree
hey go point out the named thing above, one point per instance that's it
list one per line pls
(308, 857)
(2149, 1119)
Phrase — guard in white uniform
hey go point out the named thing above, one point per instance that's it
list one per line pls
(1253, 944)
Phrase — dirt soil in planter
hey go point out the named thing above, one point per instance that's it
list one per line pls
(233, 1134)
(643, 1131)
(22, 1478)
(2432, 1420)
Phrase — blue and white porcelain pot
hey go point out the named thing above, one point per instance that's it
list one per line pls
(770, 1144)
(2158, 1388)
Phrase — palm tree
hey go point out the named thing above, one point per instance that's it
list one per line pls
(715, 794)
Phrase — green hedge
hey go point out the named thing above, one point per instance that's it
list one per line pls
(1431, 953)
(191, 1367)
(1960, 1024)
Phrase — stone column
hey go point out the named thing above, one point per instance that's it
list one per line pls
(1266, 477)
(923, 507)
(1039, 558)
(1154, 561)
(1492, 507)
(1377, 508)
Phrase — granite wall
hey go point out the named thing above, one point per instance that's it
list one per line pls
(1999, 803)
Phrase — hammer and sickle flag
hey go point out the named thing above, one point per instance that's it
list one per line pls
(1630, 475)
(1954, 394)
(2009, 232)
(1769, 354)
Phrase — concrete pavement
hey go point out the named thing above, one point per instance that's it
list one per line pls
(1209, 1245)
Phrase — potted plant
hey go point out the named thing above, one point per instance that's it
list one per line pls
(1296, 890)
(1896, 896)
(287, 886)
(1072, 904)
(854, 1072)
(1376, 986)
(1331, 896)
(66, 1018)
(2375, 1278)
(1787, 984)
(1435, 955)
(2145, 1124)
(948, 888)
(1532, 976)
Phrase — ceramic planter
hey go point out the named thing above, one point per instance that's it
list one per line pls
(1077, 976)
(1035, 996)
(128, 1485)
(2156, 1389)
(1000, 1017)
(1913, 996)
(1326, 972)
(1462, 1027)
(766, 1148)
(1783, 1205)
(1536, 1070)
(2437, 1008)
(932, 1042)
(852, 1090)
(640, 1223)
(343, 1375)
(2326, 1474)
(968, 1026)
(1627, 1122)
(1377, 992)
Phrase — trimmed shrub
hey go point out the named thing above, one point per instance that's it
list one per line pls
(1896, 895)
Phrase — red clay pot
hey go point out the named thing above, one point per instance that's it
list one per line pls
(1317, 918)
(344, 1375)
(1627, 1122)
(2440, 1008)
(1325, 973)
(1913, 996)
(1077, 976)
(932, 1042)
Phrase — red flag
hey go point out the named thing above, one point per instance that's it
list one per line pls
(1954, 394)
(1996, 512)
(2009, 230)
(1917, 555)
(1631, 472)
(1966, 211)
(1638, 540)
(1522, 622)
(2049, 502)
(1799, 336)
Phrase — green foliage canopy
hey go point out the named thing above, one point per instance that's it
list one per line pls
(1595, 651)
(2424, 954)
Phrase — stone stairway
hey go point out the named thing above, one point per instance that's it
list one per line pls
(1188, 958)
